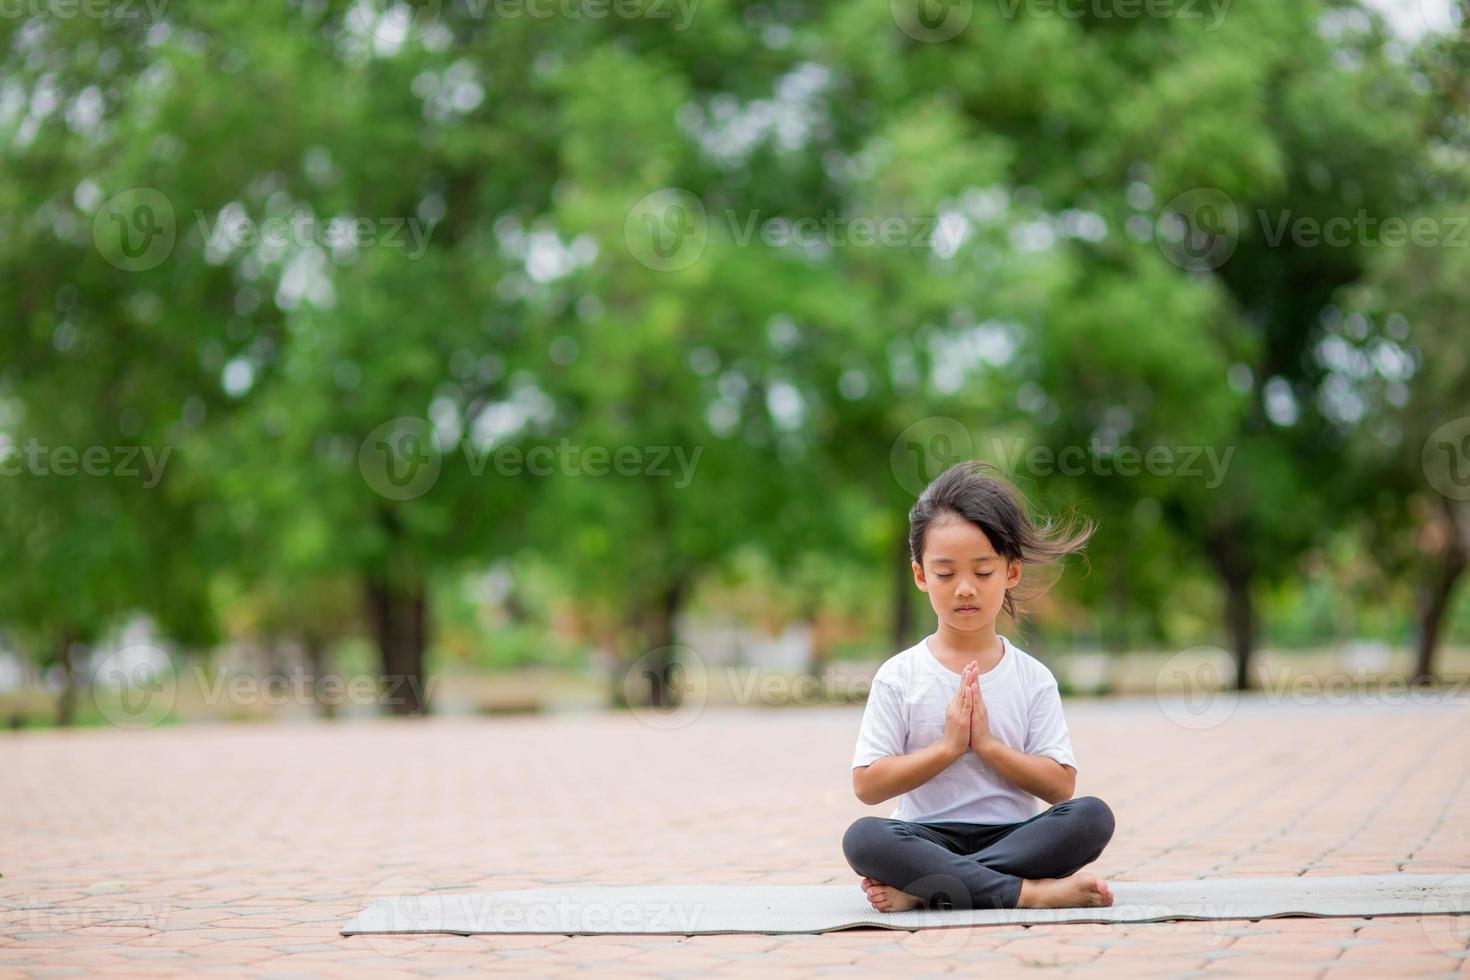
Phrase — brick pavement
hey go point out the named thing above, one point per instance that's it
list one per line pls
(242, 849)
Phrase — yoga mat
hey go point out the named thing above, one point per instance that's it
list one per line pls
(690, 910)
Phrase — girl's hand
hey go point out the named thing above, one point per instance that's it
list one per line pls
(958, 724)
(979, 716)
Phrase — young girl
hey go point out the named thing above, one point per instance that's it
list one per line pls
(967, 730)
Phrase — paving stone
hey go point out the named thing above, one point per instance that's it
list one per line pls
(485, 804)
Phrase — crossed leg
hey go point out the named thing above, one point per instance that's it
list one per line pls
(1028, 864)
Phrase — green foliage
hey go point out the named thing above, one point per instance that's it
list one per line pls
(503, 302)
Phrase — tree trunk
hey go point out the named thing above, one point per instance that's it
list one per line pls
(645, 650)
(903, 603)
(1117, 634)
(397, 607)
(66, 702)
(315, 648)
(1435, 595)
(1240, 622)
(659, 636)
(820, 652)
(1236, 574)
(397, 616)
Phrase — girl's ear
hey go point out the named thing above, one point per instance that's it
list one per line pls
(919, 576)
(1013, 573)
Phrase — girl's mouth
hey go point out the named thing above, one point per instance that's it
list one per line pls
(967, 609)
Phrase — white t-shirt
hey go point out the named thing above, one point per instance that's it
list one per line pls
(905, 712)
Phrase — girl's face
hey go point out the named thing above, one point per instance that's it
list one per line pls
(965, 576)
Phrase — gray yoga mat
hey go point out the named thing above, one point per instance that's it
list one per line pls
(689, 910)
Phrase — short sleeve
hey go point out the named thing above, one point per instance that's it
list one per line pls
(1046, 729)
(882, 730)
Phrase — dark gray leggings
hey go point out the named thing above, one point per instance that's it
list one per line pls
(975, 865)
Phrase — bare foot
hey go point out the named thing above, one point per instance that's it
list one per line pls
(1075, 892)
(886, 898)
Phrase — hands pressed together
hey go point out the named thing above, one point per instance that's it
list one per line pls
(966, 722)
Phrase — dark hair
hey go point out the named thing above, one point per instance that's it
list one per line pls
(979, 493)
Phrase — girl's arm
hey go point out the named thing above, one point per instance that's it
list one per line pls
(1038, 775)
(897, 774)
